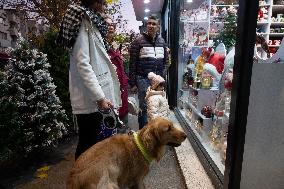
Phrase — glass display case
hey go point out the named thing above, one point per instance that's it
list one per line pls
(205, 74)
(213, 111)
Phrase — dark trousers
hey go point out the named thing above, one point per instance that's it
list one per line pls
(142, 84)
(88, 125)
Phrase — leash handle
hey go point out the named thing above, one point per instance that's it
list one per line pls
(125, 129)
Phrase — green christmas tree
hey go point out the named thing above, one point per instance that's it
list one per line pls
(228, 33)
(30, 95)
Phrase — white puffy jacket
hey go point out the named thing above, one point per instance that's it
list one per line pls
(92, 76)
(157, 104)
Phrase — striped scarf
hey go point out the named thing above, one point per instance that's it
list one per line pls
(71, 24)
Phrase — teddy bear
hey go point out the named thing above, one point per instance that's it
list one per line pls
(262, 14)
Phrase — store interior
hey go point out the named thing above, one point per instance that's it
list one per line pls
(206, 61)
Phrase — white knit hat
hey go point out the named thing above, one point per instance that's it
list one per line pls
(155, 79)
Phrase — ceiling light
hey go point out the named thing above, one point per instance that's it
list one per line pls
(146, 1)
(189, 1)
(145, 18)
(147, 10)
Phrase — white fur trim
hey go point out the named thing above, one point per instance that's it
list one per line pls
(211, 69)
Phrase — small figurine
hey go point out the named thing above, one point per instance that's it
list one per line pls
(207, 111)
(229, 80)
(214, 11)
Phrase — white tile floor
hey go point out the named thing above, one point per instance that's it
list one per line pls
(192, 169)
(194, 173)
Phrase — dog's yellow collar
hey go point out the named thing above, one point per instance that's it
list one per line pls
(141, 147)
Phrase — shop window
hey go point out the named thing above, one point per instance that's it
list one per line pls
(207, 37)
(206, 53)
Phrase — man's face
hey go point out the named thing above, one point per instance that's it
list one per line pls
(152, 27)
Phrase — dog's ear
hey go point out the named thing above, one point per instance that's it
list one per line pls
(161, 126)
(149, 138)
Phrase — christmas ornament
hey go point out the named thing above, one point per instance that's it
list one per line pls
(207, 111)
(201, 60)
(228, 80)
(206, 82)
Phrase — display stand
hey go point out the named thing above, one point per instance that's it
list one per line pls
(272, 27)
(277, 57)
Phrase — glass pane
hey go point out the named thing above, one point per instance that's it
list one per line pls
(206, 59)
(206, 53)
(270, 28)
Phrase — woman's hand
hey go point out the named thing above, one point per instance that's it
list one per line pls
(104, 104)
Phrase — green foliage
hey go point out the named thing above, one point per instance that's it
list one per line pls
(228, 33)
(10, 133)
(59, 70)
(30, 112)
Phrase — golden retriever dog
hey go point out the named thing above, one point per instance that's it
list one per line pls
(118, 162)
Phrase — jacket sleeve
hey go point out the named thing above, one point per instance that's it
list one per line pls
(134, 56)
(152, 107)
(81, 53)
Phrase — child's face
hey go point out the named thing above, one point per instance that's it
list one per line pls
(160, 87)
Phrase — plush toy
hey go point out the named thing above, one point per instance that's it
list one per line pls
(262, 14)
(217, 60)
(228, 64)
(232, 10)
(265, 13)
(223, 13)
(229, 80)
(214, 11)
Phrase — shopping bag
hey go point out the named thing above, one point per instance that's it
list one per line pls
(110, 124)
(133, 104)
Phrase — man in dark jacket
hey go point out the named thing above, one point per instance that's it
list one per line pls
(148, 53)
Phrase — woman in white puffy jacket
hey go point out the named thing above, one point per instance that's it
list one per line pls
(157, 103)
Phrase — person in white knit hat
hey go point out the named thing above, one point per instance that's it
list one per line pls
(157, 103)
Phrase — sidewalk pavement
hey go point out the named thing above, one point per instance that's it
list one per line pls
(165, 174)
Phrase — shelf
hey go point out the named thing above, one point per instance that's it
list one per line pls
(184, 89)
(266, 5)
(211, 89)
(197, 21)
(263, 33)
(213, 34)
(277, 7)
(225, 5)
(218, 22)
(262, 23)
(276, 34)
(196, 111)
(273, 45)
(277, 23)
